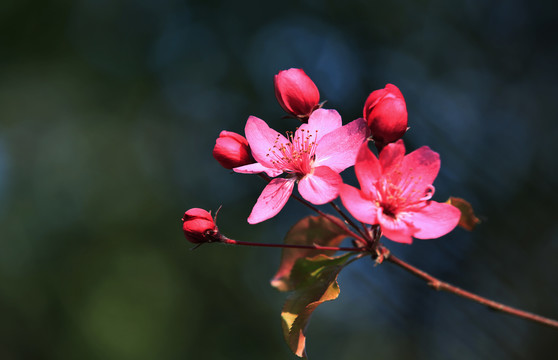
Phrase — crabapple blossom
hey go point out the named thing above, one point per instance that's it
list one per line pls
(313, 157)
(395, 193)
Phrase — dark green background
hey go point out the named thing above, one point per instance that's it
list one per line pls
(108, 114)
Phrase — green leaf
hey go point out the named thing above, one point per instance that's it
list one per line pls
(308, 231)
(315, 281)
(468, 220)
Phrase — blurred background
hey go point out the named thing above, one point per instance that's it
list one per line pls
(109, 111)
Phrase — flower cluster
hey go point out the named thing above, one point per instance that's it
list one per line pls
(394, 197)
(395, 189)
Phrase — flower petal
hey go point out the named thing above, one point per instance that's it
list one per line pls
(263, 140)
(338, 149)
(396, 229)
(362, 208)
(321, 186)
(434, 220)
(323, 121)
(419, 169)
(368, 170)
(391, 155)
(257, 168)
(272, 199)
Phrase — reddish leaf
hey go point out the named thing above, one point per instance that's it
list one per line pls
(308, 231)
(468, 219)
(316, 282)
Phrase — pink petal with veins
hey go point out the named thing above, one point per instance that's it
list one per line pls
(421, 167)
(272, 199)
(262, 140)
(435, 220)
(324, 121)
(339, 148)
(367, 169)
(396, 229)
(392, 155)
(320, 187)
(362, 208)
(257, 168)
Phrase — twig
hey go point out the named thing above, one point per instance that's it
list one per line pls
(225, 240)
(440, 285)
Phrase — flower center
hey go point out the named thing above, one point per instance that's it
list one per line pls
(296, 156)
(397, 192)
(389, 210)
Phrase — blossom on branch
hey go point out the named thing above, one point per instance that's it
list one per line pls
(313, 156)
(395, 194)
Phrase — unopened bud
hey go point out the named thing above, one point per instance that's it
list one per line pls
(232, 150)
(199, 227)
(296, 92)
(386, 113)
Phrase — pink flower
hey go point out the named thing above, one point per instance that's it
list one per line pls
(313, 156)
(199, 227)
(296, 92)
(231, 150)
(395, 193)
(386, 114)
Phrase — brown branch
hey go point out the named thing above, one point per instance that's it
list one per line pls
(440, 285)
(226, 240)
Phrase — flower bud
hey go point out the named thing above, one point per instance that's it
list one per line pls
(199, 227)
(232, 150)
(296, 92)
(386, 114)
